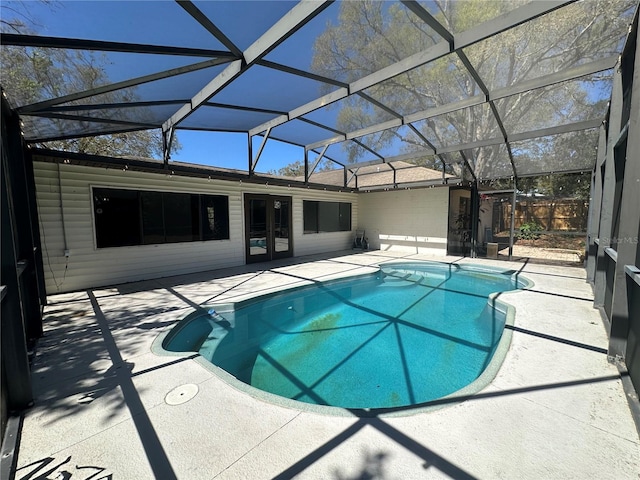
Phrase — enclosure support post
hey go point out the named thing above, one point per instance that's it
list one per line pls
(249, 153)
(623, 338)
(167, 140)
(475, 218)
(608, 191)
(512, 228)
(595, 202)
(13, 347)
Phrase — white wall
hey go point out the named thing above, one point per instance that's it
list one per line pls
(89, 267)
(412, 221)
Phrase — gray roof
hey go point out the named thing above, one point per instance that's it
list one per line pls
(380, 175)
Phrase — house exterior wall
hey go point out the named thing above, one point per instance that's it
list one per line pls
(412, 221)
(64, 192)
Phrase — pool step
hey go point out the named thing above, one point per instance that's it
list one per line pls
(403, 278)
(217, 334)
(398, 278)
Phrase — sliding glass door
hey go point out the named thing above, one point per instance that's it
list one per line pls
(267, 227)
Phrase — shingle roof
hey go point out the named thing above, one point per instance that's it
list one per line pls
(378, 175)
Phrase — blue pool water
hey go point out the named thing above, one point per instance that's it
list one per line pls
(406, 335)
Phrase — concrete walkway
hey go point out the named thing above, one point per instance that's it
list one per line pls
(108, 407)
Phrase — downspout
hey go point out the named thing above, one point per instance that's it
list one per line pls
(64, 230)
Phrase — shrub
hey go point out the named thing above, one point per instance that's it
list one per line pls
(528, 231)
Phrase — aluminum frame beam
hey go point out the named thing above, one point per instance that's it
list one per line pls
(378, 104)
(369, 149)
(80, 135)
(21, 40)
(407, 186)
(388, 160)
(81, 118)
(540, 82)
(327, 99)
(254, 161)
(487, 29)
(241, 108)
(108, 106)
(393, 167)
(203, 20)
(291, 22)
(156, 166)
(132, 82)
(555, 172)
(316, 163)
(167, 140)
(320, 125)
(571, 73)
(300, 73)
(354, 174)
(419, 134)
(374, 129)
(218, 83)
(557, 130)
(427, 18)
(568, 128)
(466, 163)
(448, 108)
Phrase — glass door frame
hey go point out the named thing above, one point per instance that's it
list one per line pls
(270, 218)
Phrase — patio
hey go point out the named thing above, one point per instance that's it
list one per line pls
(556, 409)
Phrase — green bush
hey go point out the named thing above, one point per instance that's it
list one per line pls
(528, 231)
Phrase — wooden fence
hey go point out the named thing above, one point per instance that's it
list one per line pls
(569, 215)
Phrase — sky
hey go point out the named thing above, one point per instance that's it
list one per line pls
(166, 23)
(230, 150)
(242, 21)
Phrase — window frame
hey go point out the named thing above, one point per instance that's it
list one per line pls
(317, 217)
(141, 243)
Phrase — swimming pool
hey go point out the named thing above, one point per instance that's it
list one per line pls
(405, 335)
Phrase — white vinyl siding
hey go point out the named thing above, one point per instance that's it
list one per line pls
(412, 221)
(88, 266)
(310, 243)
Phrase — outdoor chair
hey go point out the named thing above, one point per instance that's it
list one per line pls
(360, 241)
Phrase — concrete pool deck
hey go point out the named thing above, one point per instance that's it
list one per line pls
(108, 407)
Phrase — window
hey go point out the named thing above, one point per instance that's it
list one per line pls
(117, 217)
(131, 217)
(326, 216)
(214, 217)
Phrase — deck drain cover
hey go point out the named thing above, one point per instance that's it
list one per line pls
(181, 394)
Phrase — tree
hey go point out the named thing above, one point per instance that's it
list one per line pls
(29, 75)
(574, 185)
(371, 35)
(296, 169)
